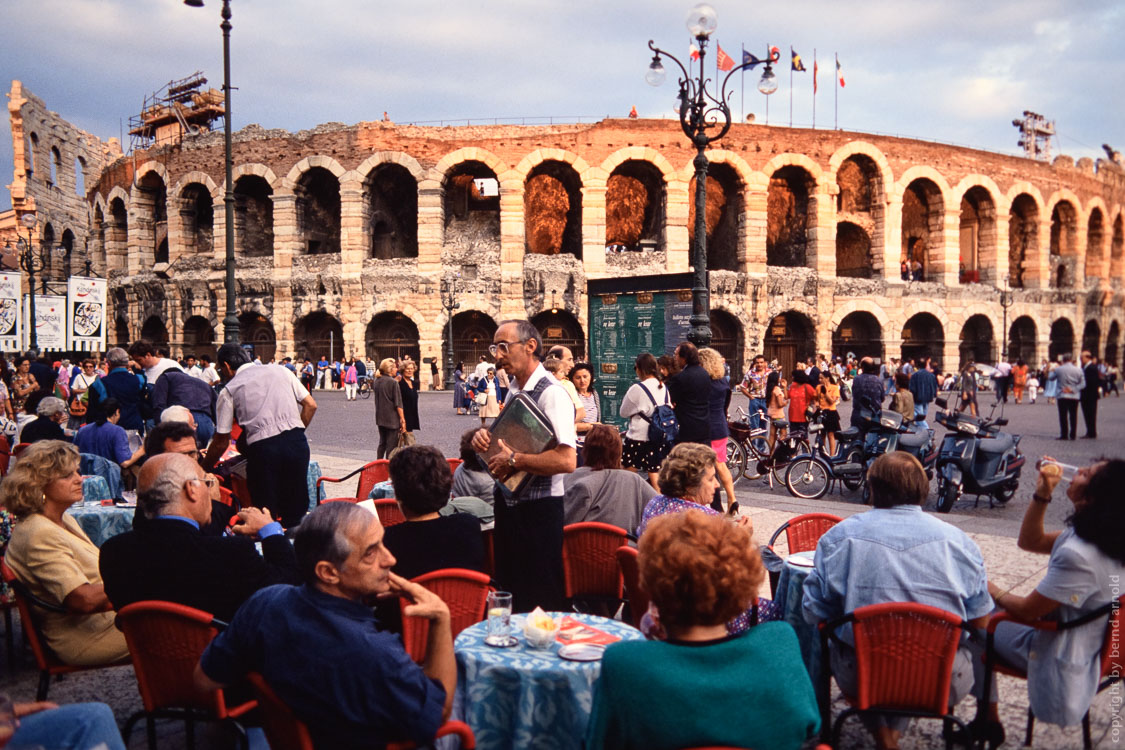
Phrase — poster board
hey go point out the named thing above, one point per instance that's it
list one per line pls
(629, 316)
(11, 315)
(50, 322)
(86, 314)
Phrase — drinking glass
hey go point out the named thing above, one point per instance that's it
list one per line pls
(7, 719)
(499, 632)
(1067, 471)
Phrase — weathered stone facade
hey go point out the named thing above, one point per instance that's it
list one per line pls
(348, 232)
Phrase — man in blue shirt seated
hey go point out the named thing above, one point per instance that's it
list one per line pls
(896, 553)
(321, 650)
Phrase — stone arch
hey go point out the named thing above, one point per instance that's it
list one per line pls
(858, 305)
(310, 162)
(859, 332)
(537, 157)
(319, 332)
(404, 160)
(553, 208)
(154, 330)
(253, 213)
(926, 306)
(391, 334)
(863, 148)
(390, 208)
(151, 166)
(641, 153)
(196, 216)
(1061, 338)
(1092, 337)
(922, 171)
(727, 338)
(470, 207)
(1024, 220)
(98, 201)
(256, 330)
(789, 336)
(978, 241)
(923, 194)
(558, 327)
(202, 178)
(861, 184)
(978, 341)
(472, 335)
(148, 206)
(1096, 266)
(1113, 343)
(1066, 218)
(1117, 246)
(923, 335)
(791, 159)
(635, 204)
(1023, 341)
(853, 251)
(727, 189)
(791, 212)
(256, 169)
(118, 192)
(318, 209)
(117, 230)
(198, 333)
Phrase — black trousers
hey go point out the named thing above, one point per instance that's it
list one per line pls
(1068, 413)
(388, 440)
(1090, 414)
(1002, 385)
(277, 471)
(528, 546)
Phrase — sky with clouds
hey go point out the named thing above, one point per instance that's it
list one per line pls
(954, 70)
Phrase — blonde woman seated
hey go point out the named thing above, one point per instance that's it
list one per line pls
(701, 686)
(55, 559)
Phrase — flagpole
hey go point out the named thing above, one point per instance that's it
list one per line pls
(836, 94)
(742, 75)
(814, 72)
(790, 87)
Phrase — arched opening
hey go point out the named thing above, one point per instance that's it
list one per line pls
(150, 211)
(922, 337)
(1095, 245)
(121, 333)
(1117, 248)
(253, 216)
(552, 205)
(560, 328)
(1023, 239)
(723, 215)
(161, 255)
(860, 335)
(318, 211)
(48, 247)
(1064, 245)
(1022, 341)
(33, 154)
(787, 217)
(472, 335)
(1061, 339)
(98, 251)
(471, 201)
(257, 331)
(117, 236)
(634, 206)
(391, 334)
(199, 337)
(197, 214)
(923, 214)
(860, 203)
(317, 334)
(853, 251)
(65, 263)
(789, 337)
(56, 165)
(726, 339)
(155, 331)
(390, 203)
(1112, 344)
(976, 342)
(1092, 338)
(80, 176)
(978, 236)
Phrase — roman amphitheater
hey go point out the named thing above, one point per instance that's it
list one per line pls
(346, 236)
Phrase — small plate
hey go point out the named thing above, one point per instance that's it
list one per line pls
(506, 644)
(801, 559)
(582, 652)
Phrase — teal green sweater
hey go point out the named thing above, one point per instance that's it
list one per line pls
(750, 690)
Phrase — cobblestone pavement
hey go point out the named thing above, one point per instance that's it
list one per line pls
(342, 437)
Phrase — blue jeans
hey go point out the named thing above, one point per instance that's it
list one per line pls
(78, 725)
(758, 422)
(920, 414)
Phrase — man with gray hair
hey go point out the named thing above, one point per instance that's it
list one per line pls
(1071, 381)
(273, 409)
(122, 384)
(51, 415)
(321, 650)
(168, 557)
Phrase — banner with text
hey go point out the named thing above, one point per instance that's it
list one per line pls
(10, 288)
(85, 314)
(50, 322)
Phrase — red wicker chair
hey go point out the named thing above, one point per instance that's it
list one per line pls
(48, 664)
(465, 592)
(285, 731)
(590, 562)
(370, 474)
(389, 512)
(165, 642)
(1113, 664)
(904, 663)
(804, 531)
(631, 576)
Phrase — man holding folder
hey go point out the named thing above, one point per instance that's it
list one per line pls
(529, 522)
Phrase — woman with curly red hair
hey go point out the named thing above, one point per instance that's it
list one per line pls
(701, 686)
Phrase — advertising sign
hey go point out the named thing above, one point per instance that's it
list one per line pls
(50, 322)
(10, 318)
(86, 314)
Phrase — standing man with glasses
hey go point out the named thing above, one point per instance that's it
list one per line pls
(529, 525)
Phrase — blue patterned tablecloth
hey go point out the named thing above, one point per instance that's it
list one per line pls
(790, 589)
(381, 490)
(100, 522)
(314, 474)
(521, 697)
(95, 488)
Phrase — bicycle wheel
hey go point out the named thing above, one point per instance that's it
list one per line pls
(736, 459)
(807, 478)
(780, 468)
(365, 389)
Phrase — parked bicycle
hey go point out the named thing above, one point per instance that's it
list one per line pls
(749, 453)
(365, 386)
(811, 475)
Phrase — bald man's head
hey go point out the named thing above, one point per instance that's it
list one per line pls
(173, 484)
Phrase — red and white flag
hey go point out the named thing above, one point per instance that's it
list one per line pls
(693, 51)
(839, 73)
(723, 61)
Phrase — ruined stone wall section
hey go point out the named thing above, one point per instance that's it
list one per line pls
(510, 283)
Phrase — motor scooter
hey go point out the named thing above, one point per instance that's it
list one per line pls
(976, 458)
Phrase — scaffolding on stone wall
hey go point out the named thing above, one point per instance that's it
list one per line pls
(181, 108)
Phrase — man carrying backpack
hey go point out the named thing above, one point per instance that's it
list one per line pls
(652, 424)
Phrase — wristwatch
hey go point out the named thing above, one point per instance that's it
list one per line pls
(512, 461)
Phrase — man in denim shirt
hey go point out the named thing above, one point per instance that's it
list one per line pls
(896, 553)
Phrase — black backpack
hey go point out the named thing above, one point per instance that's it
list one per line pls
(663, 427)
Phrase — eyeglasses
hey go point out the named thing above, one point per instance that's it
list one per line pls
(501, 347)
(208, 480)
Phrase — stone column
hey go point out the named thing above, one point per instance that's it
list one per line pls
(593, 221)
(756, 220)
(354, 245)
(511, 245)
(892, 239)
(286, 244)
(431, 224)
(677, 236)
(821, 233)
(943, 259)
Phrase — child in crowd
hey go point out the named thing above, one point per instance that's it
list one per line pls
(1032, 387)
(903, 400)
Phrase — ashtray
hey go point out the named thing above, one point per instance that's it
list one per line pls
(511, 641)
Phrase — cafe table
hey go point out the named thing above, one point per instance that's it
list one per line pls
(787, 599)
(100, 522)
(524, 697)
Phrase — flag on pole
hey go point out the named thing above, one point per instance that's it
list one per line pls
(723, 61)
(815, 70)
(797, 65)
(839, 73)
(694, 52)
(750, 60)
(775, 54)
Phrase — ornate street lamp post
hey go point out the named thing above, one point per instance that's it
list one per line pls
(449, 303)
(701, 111)
(1006, 301)
(231, 334)
(32, 261)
